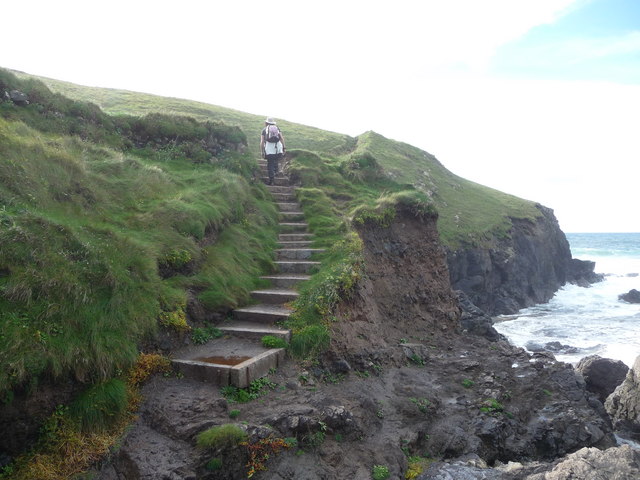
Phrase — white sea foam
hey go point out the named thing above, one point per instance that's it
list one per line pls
(586, 321)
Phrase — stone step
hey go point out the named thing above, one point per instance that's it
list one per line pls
(295, 266)
(253, 330)
(274, 296)
(262, 313)
(298, 244)
(293, 227)
(280, 189)
(283, 197)
(288, 206)
(296, 253)
(294, 237)
(291, 216)
(286, 280)
(277, 181)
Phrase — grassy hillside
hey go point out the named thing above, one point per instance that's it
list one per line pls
(470, 214)
(107, 224)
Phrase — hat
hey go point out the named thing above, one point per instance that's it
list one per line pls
(270, 121)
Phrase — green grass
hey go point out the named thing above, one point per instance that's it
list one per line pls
(105, 232)
(221, 437)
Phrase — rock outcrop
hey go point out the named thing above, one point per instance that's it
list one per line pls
(632, 296)
(602, 375)
(624, 403)
(525, 268)
(619, 463)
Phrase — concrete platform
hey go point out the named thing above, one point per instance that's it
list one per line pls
(228, 362)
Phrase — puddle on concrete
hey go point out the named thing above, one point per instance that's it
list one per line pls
(223, 360)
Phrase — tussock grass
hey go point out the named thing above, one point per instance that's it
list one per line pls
(221, 437)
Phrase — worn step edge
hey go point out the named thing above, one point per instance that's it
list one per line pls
(286, 280)
(274, 296)
(262, 313)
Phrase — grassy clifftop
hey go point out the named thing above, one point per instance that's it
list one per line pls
(469, 213)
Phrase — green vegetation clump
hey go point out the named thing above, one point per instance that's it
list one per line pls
(380, 472)
(221, 437)
(99, 407)
(270, 341)
(256, 389)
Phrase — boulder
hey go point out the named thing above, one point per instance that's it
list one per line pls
(553, 347)
(623, 405)
(581, 273)
(19, 98)
(620, 463)
(632, 296)
(474, 320)
(602, 375)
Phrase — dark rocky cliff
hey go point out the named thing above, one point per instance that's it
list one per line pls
(525, 268)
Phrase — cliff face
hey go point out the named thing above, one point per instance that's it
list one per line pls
(523, 269)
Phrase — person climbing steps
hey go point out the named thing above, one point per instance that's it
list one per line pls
(272, 147)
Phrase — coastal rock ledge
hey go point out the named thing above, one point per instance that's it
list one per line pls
(524, 268)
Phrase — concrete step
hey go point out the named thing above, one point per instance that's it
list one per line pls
(283, 197)
(262, 313)
(280, 189)
(296, 253)
(291, 216)
(295, 237)
(277, 181)
(253, 330)
(274, 296)
(295, 266)
(288, 206)
(286, 280)
(293, 227)
(299, 244)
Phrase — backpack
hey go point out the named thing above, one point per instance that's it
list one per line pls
(272, 134)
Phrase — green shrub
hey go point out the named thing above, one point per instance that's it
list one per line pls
(100, 406)
(270, 341)
(380, 472)
(214, 464)
(201, 335)
(234, 413)
(221, 437)
(256, 389)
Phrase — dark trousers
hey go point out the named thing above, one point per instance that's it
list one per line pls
(272, 165)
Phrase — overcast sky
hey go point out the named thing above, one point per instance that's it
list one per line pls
(537, 98)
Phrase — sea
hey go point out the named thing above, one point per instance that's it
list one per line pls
(579, 321)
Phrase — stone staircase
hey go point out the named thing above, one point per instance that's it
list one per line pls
(250, 323)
